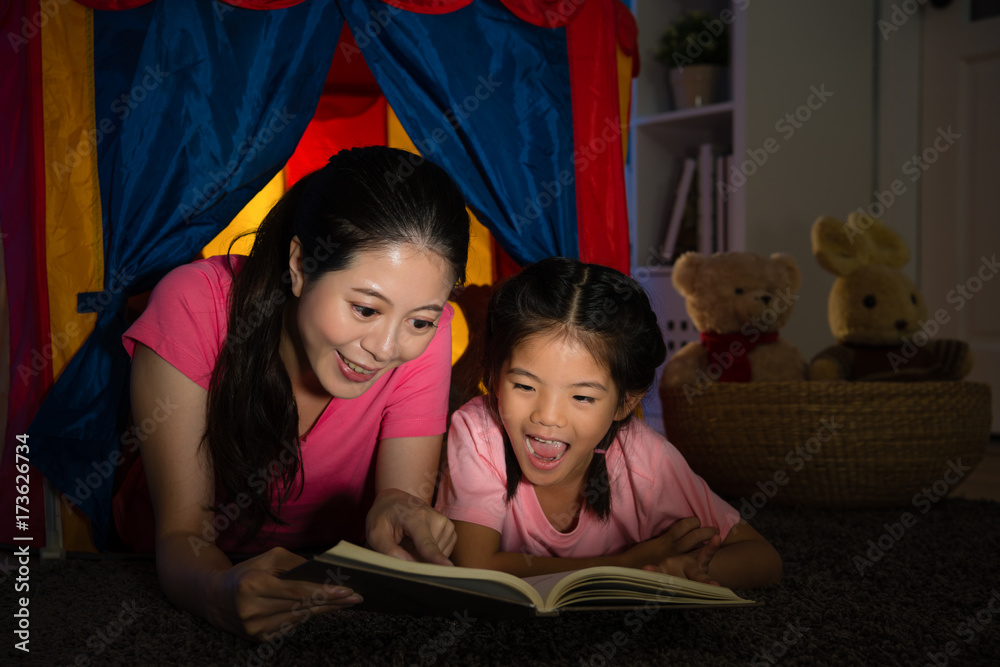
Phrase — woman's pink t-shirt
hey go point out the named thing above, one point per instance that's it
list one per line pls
(651, 484)
(186, 324)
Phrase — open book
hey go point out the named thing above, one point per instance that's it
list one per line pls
(389, 584)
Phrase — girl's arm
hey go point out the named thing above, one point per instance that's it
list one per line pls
(479, 546)
(248, 600)
(406, 474)
(745, 559)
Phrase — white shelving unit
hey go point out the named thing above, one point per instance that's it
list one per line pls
(660, 137)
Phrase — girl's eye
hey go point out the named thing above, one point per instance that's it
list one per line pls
(522, 387)
(422, 325)
(364, 311)
(584, 399)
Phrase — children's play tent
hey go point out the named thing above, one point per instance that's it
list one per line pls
(134, 131)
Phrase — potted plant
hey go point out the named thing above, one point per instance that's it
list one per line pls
(695, 47)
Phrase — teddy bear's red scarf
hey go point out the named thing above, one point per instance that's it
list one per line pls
(730, 352)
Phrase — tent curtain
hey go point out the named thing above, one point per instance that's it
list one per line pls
(544, 13)
(197, 105)
(489, 104)
(212, 108)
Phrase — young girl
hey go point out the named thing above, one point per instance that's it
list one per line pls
(299, 394)
(549, 471)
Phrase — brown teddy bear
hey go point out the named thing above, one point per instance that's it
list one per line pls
(738, 301)
(876, 313)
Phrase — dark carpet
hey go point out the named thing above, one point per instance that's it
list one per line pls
(859, 588)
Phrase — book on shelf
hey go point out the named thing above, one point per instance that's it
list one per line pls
(677, 216)
(700, 210)
(721, 204)
(714, 210)
(728, 196)
(706, 200)
(392, 585)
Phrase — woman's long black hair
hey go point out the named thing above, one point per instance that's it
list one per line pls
(599, 307)
(362, 199)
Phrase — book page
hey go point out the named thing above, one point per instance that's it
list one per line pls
(544, 583)
(619, 585)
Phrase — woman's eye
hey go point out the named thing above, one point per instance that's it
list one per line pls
(421, 325)
(365, 311)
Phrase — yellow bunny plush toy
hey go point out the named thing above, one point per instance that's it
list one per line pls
(876, 313)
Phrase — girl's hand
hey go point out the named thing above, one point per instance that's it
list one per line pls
(681, 538)
(396, 515)
(693, 566)
(257, 605)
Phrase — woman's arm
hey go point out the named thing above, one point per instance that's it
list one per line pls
(406, 474)
(247, 600)
(409, 464)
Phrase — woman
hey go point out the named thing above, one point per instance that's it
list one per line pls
(300, 393)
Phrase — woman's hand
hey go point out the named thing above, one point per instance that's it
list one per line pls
(396, 515)
(255, 604)
(681, 538)
(693, 566)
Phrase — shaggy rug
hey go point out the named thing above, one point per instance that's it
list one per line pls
(916, 585)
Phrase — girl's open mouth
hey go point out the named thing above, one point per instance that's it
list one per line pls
(545, 454)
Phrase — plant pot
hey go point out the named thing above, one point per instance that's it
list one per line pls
(695, 85)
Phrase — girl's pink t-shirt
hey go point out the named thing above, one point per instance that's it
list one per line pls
(651, 484)
(186, 323)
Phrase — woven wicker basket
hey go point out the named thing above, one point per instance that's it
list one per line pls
(829, 444)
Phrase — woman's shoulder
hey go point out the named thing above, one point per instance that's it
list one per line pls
(202, 286)
(186, 319)
(447, 315)
(216, 270)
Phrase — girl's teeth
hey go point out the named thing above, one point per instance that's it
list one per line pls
(531, 450)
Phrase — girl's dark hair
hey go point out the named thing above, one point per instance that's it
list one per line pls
(362, 199)
(602, 309)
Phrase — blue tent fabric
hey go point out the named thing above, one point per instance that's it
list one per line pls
(207, 101)
(490, 103)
